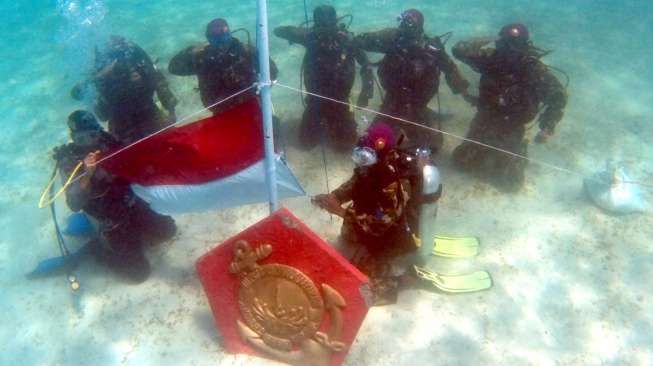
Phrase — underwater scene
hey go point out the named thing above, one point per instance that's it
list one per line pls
(461, 183)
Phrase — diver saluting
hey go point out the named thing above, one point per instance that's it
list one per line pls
(328, 69)
(224, 67)
(515, 87)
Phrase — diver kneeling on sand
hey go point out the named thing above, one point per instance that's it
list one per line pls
(410, 75)
(224, 67)
(378, 226)
(515, 86)
(126, 223)
(329, 69)
(126, 80)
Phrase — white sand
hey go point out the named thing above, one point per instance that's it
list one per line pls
(572, 284)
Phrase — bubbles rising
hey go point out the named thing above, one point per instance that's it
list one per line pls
(81, 30)
(83, 13)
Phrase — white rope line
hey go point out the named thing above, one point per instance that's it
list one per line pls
(184, 119)
(639, 183)
(258, 85)
(536, 161)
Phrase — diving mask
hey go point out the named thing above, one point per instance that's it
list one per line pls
(86, 137)
(220, 40)
(364, 156)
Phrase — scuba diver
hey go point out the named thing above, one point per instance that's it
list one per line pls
(223, 67)
(126, 79)
(515, 86)
(380, 222)
(410, 75)
(328, 69)
(126, 223)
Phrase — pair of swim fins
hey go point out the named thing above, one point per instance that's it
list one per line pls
(61, 264)
(78, 225)
(456, 247)
(453, 247)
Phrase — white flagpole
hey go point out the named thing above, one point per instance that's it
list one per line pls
(266, 102)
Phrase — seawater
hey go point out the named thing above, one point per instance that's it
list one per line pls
(572, 284)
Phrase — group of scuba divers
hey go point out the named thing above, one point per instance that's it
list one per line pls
(386, 191)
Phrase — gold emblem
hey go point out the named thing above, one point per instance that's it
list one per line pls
(282, 309)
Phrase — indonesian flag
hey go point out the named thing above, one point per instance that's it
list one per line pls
(213, 163)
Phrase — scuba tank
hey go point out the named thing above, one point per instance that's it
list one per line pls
(428, 209)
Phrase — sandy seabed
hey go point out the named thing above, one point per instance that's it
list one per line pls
(571, 283)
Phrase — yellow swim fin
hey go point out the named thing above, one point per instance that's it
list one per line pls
(452, 247)
(471, 282)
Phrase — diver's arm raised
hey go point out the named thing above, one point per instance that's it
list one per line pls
(183, 63)
(381, 41)
(292, 34)
(473, 52)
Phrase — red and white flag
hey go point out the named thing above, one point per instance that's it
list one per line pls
(213, 163)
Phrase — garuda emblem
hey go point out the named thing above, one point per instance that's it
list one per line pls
(282, 309)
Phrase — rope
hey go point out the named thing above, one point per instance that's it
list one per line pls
(306, 14)
(71, 180)
(48, 188)
(322, 128)
(638, 183)
(176, 123)
(535, 161)
(63, 249)
(324, 157)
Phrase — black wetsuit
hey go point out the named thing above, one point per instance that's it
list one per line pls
(377, 223)
(221, 72)
(380, 196)
(513, 90)
(328, 69)
(126, 222)
(126, 80)
(410, 75)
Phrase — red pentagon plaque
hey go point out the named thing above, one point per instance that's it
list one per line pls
(279, 291)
